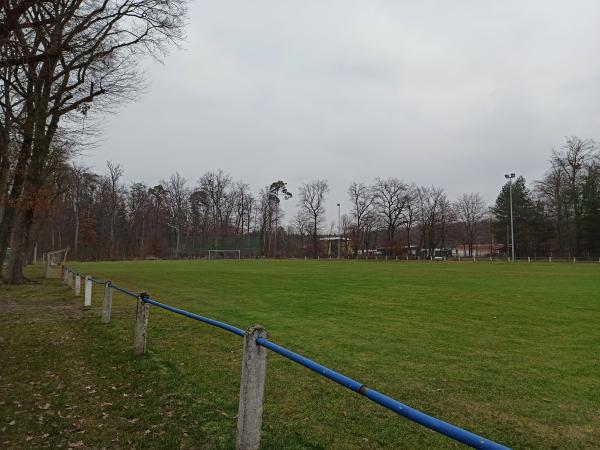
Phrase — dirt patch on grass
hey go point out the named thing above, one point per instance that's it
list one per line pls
(28, 311)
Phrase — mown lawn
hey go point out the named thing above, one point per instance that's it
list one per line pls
(511, 352)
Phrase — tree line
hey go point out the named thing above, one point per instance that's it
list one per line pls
(99, 217)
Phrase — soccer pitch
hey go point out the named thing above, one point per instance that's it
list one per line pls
(508, 351)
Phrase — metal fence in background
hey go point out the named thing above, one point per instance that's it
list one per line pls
(253, 375)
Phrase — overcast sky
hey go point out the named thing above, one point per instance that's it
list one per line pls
(450, 93)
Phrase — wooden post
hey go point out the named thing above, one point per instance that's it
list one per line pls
(107, 305)
(529, 259)
(77, 283)
(252, 388)
(574, 259)
(87, 295)
(65, 275)
(141, 325)
(70, 279)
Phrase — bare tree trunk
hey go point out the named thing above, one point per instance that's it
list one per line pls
(10, 211)
(14, 273)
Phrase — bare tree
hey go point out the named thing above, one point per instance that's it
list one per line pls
(434, 216)
(311, 203)
(138, 201)
(361, 197)
(177, 198)
(572, 164)
(215, 186)
(391, 197)
(271, 215)
(115, 172)
(469, 209)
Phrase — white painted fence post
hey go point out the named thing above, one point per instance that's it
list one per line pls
(574, 260)
(141, 325)
(77, 283)
(65, 275)
(529, 259)
(87, 295)
(550, 259)
(252, 388)
(107, 305)
(70, 279)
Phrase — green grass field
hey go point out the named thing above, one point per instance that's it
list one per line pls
(511, 352)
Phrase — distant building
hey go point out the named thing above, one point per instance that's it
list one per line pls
(488, 249)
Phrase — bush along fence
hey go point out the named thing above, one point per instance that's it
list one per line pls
(254, 367)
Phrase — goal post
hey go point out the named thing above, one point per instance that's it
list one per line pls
(224, 254)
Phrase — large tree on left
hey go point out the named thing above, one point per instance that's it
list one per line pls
(56, 59)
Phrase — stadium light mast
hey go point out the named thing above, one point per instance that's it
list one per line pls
(512, 228)
(339, 233)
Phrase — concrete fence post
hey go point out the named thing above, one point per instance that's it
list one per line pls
(529, 259)
(70, 279)
(107, 305)
(141, 325)
(65, 275)
(87, 295)
(574, 259)
(77, 283)
(550, 259)
(252, 388)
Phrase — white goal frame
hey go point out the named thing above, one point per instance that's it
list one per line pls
(212, 252)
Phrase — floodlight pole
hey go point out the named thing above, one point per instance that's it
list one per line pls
(512, 228)
(339, 233)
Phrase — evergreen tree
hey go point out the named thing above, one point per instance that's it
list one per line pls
(530, 225)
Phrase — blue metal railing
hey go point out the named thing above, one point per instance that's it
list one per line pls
(445, 428)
